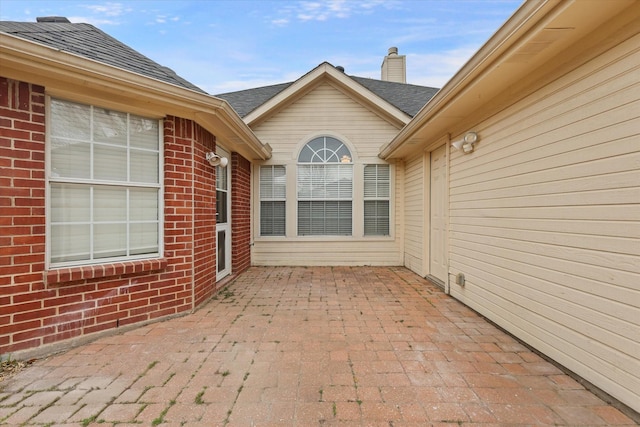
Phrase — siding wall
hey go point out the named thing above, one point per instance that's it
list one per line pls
(416, 235)
(545, 221)
(324, 111)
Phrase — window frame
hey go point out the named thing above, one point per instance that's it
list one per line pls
(92, 184)
(377, 197)
(265, 199)
(324, 159)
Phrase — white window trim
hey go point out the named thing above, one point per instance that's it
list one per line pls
(387, 199)
(49, 179)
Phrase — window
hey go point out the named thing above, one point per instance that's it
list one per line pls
(273, 191)
(376, 200)
(325, 183)
(104, 185)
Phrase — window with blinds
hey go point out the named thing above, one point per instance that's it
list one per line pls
(325, 188)
(104, 185)
(376, 200)
(273, 192)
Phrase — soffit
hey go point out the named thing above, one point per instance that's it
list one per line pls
(538, 39)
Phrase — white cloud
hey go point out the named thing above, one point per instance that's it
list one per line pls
(306, 11)
(97, 22)
(437, 69)
(108, 9)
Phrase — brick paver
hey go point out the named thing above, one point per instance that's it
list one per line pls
(327, 346)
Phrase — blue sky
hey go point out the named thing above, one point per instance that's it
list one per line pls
(223, 45)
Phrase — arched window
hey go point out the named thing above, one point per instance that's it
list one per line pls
(325, 188)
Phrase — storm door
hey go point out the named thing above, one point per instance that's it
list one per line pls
(223, 218)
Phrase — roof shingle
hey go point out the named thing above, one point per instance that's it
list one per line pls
(89, 42)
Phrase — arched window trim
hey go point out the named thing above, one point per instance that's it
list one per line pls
(325, 149)
(325, 188)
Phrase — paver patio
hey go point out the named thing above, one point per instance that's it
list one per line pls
(370, 346)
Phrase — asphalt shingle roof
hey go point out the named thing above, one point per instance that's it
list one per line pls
(406, 97)
(88, 41)
(245, 101)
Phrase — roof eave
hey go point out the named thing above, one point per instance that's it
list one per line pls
(469, 74)
(66, 73)
(497, 73)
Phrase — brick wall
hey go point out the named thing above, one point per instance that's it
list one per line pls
(39, 307)
(240, 213)
(22, 216)
(204, 274)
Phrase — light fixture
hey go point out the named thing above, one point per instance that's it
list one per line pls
(215, 160)
(466, 143)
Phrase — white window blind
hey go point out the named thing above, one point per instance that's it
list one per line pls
(273, 191)
(104, 185)
(325, 188)
(376, 200)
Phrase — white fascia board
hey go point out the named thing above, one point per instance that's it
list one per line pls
(82, 79)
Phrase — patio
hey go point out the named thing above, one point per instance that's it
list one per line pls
(295, 346)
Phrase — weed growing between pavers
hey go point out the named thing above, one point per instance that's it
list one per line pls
(198, 400)
(160, 418)
(168, 379)
(89, 420)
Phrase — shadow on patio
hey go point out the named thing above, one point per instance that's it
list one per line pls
(307, 346)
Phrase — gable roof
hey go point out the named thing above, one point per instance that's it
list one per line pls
(407, 98)
(90, 42)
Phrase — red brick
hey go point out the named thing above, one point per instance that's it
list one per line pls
(34, 333)
(60, 336)
(40, 315)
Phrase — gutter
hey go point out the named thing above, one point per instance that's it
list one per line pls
(66, 72)
(472, 72)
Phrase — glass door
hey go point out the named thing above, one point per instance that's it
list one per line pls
(223, 218)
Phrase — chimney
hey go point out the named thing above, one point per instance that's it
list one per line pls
(54, 19)
(394, 67)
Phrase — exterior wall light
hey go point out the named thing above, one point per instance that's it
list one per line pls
(215, 160)
(466, 143)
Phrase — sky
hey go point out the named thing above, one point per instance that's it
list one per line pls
(228, 45)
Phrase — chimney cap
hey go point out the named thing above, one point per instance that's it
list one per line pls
(59, 19)
(393, 50)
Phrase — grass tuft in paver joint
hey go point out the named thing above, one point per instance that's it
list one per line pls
(160, 418)
(198, 398)
(85, 422)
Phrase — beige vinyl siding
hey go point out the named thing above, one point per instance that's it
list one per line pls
(545, 221)
(325, 110)
(415, 237)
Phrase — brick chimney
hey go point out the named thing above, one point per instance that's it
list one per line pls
(394, 67)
